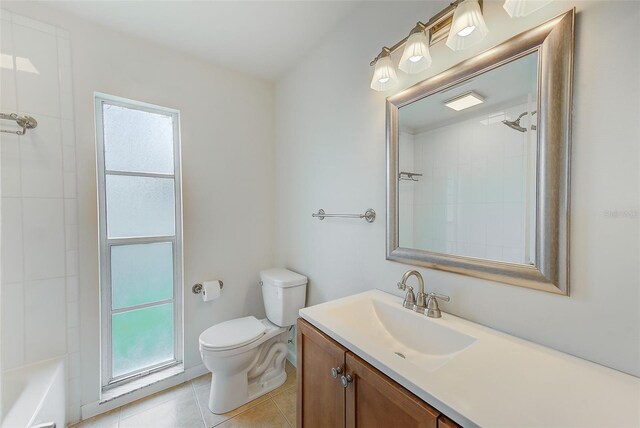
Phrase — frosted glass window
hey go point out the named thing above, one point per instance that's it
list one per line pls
(140, 238)
(136, 140)
(142, 338)
(140, 206)
(141, 273)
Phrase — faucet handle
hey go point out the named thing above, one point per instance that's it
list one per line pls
(439, 296)
(433, 311)
(409, 298)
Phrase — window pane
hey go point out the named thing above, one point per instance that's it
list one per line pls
(141, 338)
(136, 140)
(141, 273)
(140, 206)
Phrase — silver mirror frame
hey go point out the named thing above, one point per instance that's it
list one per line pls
(554, 42)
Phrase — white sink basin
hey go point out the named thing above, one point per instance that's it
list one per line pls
(475, 375)
(386, 328)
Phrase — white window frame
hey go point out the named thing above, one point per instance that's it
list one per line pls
(107, 379)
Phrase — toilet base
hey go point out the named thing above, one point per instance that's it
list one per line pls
(239, 377)
(232, 392)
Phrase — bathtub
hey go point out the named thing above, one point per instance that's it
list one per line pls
(34, 395)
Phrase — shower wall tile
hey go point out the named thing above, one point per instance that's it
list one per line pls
(34, 24)
(473, 188)
(11, 235)
(7, 76)
(12, 325)
(64, 51)
(40, 293)
(72, 263)
(70, 212)
(45, 319)
(43, 228)
(73, 344)
(74, 365)
(10, 166)
(69, 158)
(36, 55)
(73, 318)
(73, 293)
(61, 32)
(65, 79)
(68, 133)
(71, 237)
(69, 184)
(41, 160)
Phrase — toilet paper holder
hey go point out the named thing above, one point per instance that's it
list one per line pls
(197, 288)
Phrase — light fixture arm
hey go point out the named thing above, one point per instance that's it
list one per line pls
(436, 23)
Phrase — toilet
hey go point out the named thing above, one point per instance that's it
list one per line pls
(247, 355)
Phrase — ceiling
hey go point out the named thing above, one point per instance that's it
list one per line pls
(261, 38)
(504, 86)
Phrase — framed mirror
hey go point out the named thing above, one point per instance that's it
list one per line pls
(478, 163)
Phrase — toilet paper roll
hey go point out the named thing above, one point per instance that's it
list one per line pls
(210, 290)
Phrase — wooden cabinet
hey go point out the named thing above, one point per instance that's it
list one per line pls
(321, 397)
(373, 399)
(358, 396)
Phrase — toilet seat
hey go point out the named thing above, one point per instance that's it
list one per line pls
(232, 334)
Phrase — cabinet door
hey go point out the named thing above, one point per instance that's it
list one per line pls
(374, 400)
(445, 422)
(321, 397)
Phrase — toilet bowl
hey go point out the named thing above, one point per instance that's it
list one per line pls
(247, 355)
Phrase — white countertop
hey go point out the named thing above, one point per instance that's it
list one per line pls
(499, 380)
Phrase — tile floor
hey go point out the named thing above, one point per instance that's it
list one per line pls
(185, 406)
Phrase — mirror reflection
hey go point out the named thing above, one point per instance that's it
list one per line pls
(467, 167)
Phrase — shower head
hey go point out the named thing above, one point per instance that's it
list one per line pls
(515, 124)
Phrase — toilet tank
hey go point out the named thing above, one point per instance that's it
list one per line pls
(284, 293)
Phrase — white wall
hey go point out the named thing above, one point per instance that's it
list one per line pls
(227, 127)
(330, 153)
(39, 229)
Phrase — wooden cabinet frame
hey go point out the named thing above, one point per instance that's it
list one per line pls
(370, 399)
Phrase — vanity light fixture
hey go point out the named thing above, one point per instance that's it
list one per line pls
(416, 56)
(468, 27)
(461, 23)
(384, 75)
(519, 8)
(464, 101)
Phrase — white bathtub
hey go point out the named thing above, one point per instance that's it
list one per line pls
(34, 394)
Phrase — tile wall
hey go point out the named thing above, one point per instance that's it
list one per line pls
(39, 223)
(477, 189)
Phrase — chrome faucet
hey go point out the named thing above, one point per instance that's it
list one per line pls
(418, 302)
(421, 302)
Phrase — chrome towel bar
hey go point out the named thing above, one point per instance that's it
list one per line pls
(25, 122)
(369, 215)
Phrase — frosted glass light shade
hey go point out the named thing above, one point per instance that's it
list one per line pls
(384, 75)
(468, 26)
(416, 56)
(518, 8)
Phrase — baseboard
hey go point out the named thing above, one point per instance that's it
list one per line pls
(93, 409)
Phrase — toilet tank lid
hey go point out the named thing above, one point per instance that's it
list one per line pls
(282, 277)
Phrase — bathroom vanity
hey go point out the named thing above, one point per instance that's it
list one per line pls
(337, 388)
(366, 361)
